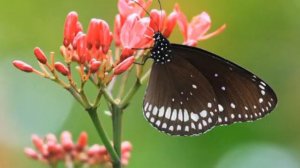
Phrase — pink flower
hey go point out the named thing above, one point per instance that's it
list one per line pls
(48, 150)
(160, 22)
(195, 30)
(128, 7)
(117, 30)
(135, 33)
(66, 140)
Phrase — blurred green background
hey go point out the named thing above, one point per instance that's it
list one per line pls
(263, 36)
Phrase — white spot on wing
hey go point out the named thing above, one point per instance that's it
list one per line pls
(174, 115)
(186, 115)
(194, 117)
(187, 128)
(232, 105)
(209, 105)
(200, 126)
(148, 114)
(178, 127)
(161, 111)
(180, 115)
(168, 113)
(220, 107)
(203, 113)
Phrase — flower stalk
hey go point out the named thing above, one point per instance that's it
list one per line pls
(102, 134)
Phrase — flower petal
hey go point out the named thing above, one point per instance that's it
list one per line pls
(182, 22)
(199, 26)
(218, 31)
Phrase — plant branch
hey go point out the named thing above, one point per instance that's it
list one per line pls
(117, 132)
(94, 116)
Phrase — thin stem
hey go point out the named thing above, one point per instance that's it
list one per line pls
(98, 98)
(117, 132)
(84, 98)
(131, 93)
(123, 84)
(94, 116)
(108, 96)
(77, 96)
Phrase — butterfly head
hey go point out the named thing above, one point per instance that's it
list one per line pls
(161, 52)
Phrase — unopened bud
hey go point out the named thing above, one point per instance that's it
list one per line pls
(61, 68)
(71, 27)
(22, 66)
(82, 140)
(66, 140)
(39, 54)
(94, 66)
(124, 65)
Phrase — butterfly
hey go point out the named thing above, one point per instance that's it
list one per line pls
(191, 90)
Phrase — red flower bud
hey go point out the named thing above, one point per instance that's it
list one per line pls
(81, 48)
(97, 150)
(38, 143)
(61, 68)
(51, 138)
(66, 140)
(105, 36)
(78, 27)
(31, 153)
(94, 65)
(82, 140)
(39, 54)
(93, 34)
(124, 65)
(71, 28)
(22, 66)
(126, 52)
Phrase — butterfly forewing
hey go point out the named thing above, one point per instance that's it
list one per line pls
(241, 96)
(180, 100)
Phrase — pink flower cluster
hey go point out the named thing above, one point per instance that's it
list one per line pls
(132, 31)
(48, 150)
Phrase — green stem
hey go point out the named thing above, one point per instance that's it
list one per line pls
(94, 116)
(131, 93)
(77, 96)
(123, 84)
(117, 132)
(108, 96)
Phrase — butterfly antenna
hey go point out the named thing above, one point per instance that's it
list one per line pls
(141, 7)
(145, 11)
(160, 8)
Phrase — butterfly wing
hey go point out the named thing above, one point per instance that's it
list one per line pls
(241, 96)
(179, 99)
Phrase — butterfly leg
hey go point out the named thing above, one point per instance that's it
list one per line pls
(142, 63)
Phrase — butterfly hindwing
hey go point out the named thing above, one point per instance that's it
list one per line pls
(179, 100)
(241, 96)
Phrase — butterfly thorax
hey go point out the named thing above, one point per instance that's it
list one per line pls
(161, 51)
